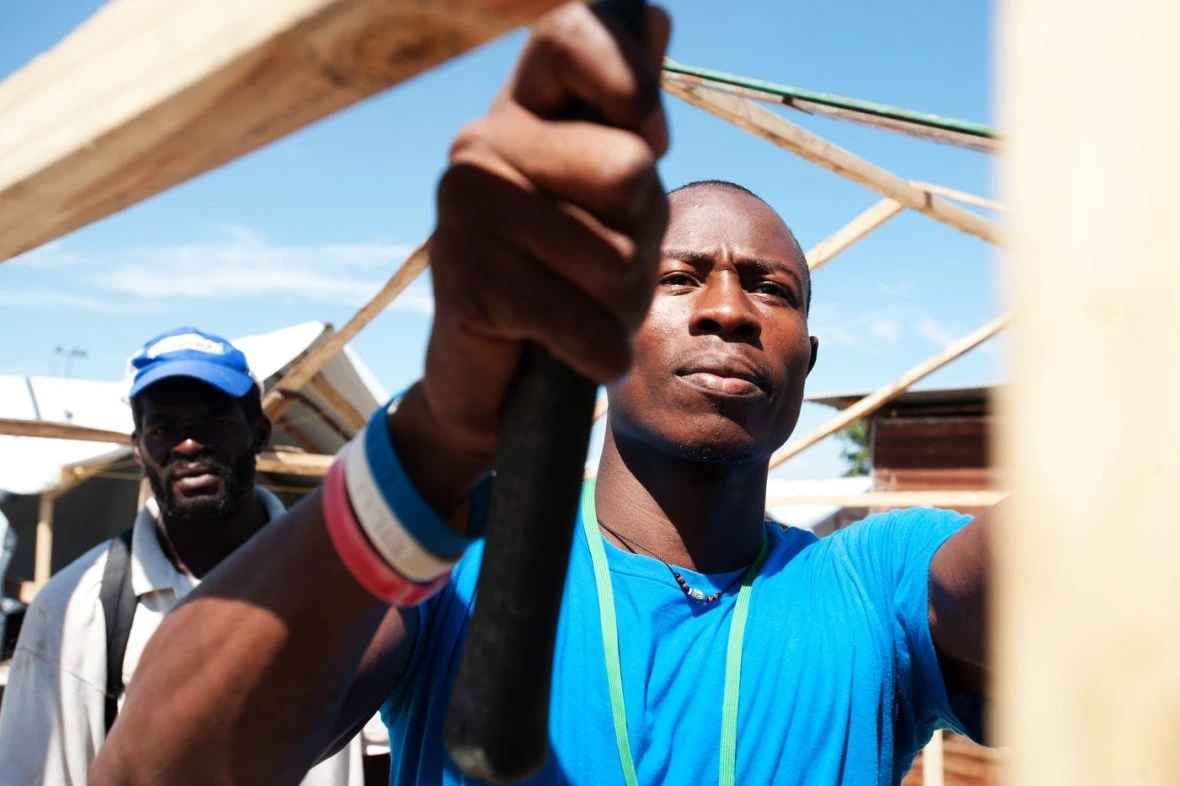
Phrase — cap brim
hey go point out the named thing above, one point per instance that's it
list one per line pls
(226, 380)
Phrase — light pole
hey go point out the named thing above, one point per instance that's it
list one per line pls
(69, 355)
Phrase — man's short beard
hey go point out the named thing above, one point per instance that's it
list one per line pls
(238, 484)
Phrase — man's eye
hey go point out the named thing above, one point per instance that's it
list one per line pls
(677, 280)
(771, 288)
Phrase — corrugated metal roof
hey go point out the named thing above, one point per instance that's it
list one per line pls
(919, 397)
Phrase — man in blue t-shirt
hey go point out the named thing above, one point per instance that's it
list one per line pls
(697, 642)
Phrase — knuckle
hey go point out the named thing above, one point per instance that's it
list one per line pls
(631, 163)
(564, 28)
(471, 138)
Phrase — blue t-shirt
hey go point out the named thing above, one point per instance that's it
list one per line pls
(840, 683)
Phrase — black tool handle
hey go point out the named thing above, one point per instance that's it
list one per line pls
(497, 728)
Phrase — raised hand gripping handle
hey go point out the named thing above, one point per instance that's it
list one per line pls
(497, 728)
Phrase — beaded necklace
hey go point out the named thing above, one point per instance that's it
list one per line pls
(692, 593)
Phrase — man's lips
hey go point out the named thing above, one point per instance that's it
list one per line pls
(195, 479)
(725, 376)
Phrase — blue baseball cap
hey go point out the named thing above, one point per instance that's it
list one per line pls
(188, 352)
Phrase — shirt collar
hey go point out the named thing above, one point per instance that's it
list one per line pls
(151, 570)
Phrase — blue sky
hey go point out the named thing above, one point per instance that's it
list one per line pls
(309, 227)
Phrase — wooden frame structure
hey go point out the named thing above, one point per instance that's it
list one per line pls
(320, 56)
(1086, 608)
(55, 175)
(1086, 544)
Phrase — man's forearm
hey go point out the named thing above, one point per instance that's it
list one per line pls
(243, 682)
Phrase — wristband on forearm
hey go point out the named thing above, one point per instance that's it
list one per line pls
(370, 498)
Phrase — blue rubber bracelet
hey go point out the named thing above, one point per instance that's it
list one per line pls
(416, 515)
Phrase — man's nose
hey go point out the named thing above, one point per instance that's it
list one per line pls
(724, 309)
(191, 445)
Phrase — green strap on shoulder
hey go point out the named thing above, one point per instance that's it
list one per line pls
(610, 632)
(614, 669)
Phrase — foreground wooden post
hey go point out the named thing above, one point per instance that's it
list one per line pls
(1087, 625)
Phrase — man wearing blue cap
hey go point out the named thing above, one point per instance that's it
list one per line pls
(199, 425)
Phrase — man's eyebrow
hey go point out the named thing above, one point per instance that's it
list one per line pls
(697, 259)
(768, 266)
(703, 261)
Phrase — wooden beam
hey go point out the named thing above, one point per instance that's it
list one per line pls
(961, 196)
(283, 462)
(948, 498)
(278, 399)
(874, 401)
(1087, 625)
(338, 405)
(779, 131)
(856, 229)
(27, 591)
(933, 134)
(43, 545)
(932, 761)
(41, 428)
(146, 95)
(600, 407)
(301, 440)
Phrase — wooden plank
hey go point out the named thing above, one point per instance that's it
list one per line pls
(338, 405)
(884, 395)
(953, 499)
(148, 94)
(278, 399)
(856, 229)
(932, 767)
(961, 196)
(43, 545)
(287, 463)
(301, 440)
(27, 591)
(779, 131)
(1087, 621)
(920, 131)
(600, 407)
(41, 428)
(961, 479)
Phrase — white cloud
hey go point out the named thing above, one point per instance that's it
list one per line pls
(931, 329)
(45, 299)
(836, 328)
(894, 288)
(885, 329)
(240, 263)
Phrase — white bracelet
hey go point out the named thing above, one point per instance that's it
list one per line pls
(382, 526)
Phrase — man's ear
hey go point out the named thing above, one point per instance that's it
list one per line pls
(814, 353)
(263, 429)
(135, 451)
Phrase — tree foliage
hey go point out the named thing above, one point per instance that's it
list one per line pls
(855, 437)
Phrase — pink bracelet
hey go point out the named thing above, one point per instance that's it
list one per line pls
(359, 556)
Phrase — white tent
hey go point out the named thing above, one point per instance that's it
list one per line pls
(821, 519)
(95, 496)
